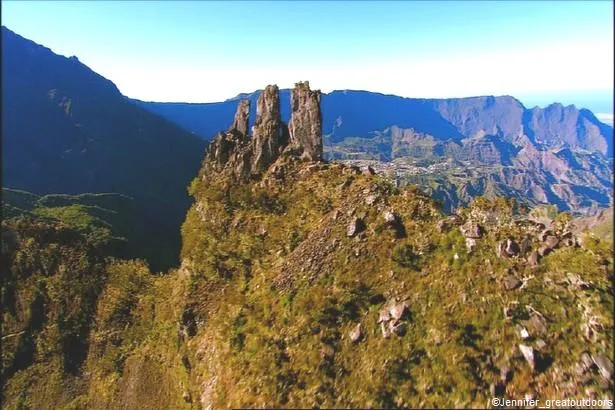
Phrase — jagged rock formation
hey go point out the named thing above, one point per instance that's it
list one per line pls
(243, 157)
(270, 134)
(242, 116)
(306, 122)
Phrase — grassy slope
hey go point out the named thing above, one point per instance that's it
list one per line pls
(269, 303)
(271, 285)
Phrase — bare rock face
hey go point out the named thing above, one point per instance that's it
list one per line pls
(270, 136)
(243, 157)
(242, 116)
(305, 126)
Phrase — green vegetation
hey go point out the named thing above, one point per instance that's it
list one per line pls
(279, 306)
(270, 289)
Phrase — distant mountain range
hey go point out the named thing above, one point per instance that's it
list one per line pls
(68, 130)
(483, 145)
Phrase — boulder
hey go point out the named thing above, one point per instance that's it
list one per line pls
(605, 366)
(398, 328)
(391, 318)
(525, 246)
(537, 324)
(355, 227)
(507, 249)
(512, 248)
(528, 354)
(356, 334)
(385, 330)
(390, 218)
(393, 221)
(368, 170)
(398, 311)
(371, 199)
(523, 333)
(510, 282)
(586, 359)
(533, 259)
(470, 244)
(544, 234)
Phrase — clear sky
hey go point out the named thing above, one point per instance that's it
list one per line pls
(201, 51)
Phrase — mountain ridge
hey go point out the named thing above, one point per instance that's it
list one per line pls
(68, 130)
(483, 133)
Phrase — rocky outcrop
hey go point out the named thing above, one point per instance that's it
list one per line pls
(269, 133)
(242, 116)
(391, 318)
(244, 157)
(306, 122)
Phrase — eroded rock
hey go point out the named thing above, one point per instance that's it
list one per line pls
(306, 122)
(243, 157)
(242, 117)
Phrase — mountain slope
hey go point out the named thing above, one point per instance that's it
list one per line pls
(68, 130)
(307, 284)
(558, 155)
(320, 285)
(360, 113)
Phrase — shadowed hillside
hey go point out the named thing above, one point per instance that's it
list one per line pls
(67, 130)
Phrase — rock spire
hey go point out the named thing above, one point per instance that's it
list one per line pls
(245, 156)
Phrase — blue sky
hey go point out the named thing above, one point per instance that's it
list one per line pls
(200, 51)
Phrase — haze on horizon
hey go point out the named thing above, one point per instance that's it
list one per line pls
(205, 51)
